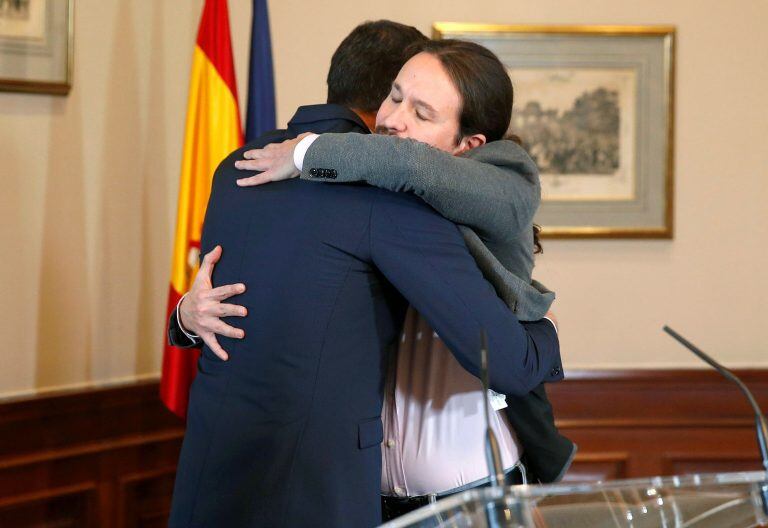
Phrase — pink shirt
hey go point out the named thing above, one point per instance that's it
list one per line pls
(434, 419)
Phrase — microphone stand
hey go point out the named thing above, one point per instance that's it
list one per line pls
(760, 421)
(492, 451)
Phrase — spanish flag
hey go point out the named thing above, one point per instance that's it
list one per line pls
(212, 132)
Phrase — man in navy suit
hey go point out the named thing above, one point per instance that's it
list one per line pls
(287, 431)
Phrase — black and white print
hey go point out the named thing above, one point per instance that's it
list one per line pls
(578, 125)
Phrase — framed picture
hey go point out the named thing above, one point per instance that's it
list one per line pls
(594, 108)
(36, 46)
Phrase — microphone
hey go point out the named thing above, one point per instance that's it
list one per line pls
(760, 421)
(492, 451)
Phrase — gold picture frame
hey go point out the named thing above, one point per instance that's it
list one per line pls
(615, 182)
(37, 46)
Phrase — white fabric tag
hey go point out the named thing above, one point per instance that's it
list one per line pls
(498, 401)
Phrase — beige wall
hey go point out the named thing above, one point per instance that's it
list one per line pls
(89, 187)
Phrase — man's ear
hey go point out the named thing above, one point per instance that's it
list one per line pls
(467, 143)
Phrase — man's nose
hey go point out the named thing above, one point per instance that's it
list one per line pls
(395, 122)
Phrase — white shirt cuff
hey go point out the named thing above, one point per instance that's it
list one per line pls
(547, 318)
(300, 150)
(190, 336)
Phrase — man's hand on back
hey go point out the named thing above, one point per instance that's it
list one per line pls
(275, 160)
(201, 309)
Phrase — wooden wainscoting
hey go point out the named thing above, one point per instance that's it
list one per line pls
(664, 422)
(97, 458)
(106, 458)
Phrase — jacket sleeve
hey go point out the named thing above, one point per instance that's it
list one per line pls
(177, 338)
(493, 189)
(425, 258)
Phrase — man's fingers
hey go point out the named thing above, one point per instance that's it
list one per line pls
(253, 154)
(209, 260)
(551, 316)
(264, 177)
(225, 292)
(228, 331)
(260, 164)
(213, 344)
(232, 310)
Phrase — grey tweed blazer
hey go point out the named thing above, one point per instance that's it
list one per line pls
(492, 192)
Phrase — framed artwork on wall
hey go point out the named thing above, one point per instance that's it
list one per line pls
(36, 38)
(594, 108)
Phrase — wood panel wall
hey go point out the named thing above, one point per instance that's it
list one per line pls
(106, 458)
(642, 423)
(99, 458)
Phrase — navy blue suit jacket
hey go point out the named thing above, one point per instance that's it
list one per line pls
(287, 432)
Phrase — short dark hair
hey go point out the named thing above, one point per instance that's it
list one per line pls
(482, 82)
(367, 61)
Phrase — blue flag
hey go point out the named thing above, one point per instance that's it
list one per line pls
(260, 117)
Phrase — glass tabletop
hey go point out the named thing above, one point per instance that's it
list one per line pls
(720, 500)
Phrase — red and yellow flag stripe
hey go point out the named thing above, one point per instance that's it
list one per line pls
(212, 132)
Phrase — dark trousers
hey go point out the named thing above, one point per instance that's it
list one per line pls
(393, 507)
